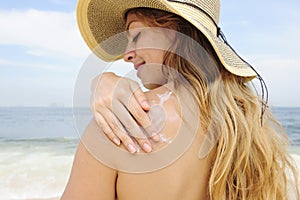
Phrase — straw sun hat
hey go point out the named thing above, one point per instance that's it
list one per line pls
(99, 20)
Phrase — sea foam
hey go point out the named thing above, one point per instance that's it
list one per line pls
(30, 171)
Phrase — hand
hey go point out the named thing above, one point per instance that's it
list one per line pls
(119, 106)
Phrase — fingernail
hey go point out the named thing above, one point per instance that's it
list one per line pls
(145, 104)
(147, 147)
(155, 137)
(117, 141)
(131, 148)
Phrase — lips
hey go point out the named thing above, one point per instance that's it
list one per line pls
(136, 66)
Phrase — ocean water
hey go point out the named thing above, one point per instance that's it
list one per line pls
(37, 146)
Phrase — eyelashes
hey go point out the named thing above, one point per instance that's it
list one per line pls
(136, 37)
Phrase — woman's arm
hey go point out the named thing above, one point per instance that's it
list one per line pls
(89, 179)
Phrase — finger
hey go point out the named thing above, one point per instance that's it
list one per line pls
(131, 103)
(118, 129)
(144, 144)
(132, 127)
(106, 128)
(142, 119)
(140, 96)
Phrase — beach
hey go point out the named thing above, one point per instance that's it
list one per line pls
(35, 168)
(37, 150)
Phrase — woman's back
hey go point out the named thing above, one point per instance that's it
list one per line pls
(184, 177)
(187, 177)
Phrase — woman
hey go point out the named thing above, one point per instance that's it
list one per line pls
(242, 147)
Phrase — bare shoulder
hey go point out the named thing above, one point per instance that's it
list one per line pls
(89, 179)
(174, 113)
(165, 114)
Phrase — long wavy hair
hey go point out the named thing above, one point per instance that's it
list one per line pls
(251, 160)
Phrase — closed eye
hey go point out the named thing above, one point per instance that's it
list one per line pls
(136, 37)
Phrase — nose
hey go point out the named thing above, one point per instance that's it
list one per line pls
(129, 56)
(130, 53)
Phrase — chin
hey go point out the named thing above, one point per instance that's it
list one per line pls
(151, 86)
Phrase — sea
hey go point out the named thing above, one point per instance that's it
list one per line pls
(37, 147)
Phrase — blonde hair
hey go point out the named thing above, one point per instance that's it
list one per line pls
(251, 160)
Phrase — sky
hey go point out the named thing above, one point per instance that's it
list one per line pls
(42, 52)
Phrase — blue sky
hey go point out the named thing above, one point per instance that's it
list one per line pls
(41, 50)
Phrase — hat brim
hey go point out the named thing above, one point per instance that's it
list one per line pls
(98, 21)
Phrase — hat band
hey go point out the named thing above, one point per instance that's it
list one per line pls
(196, 7)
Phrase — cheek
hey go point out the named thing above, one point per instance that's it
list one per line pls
(154, 40)
(158, 56)
(153, 56)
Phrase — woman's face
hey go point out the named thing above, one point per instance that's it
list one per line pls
(145, 50)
